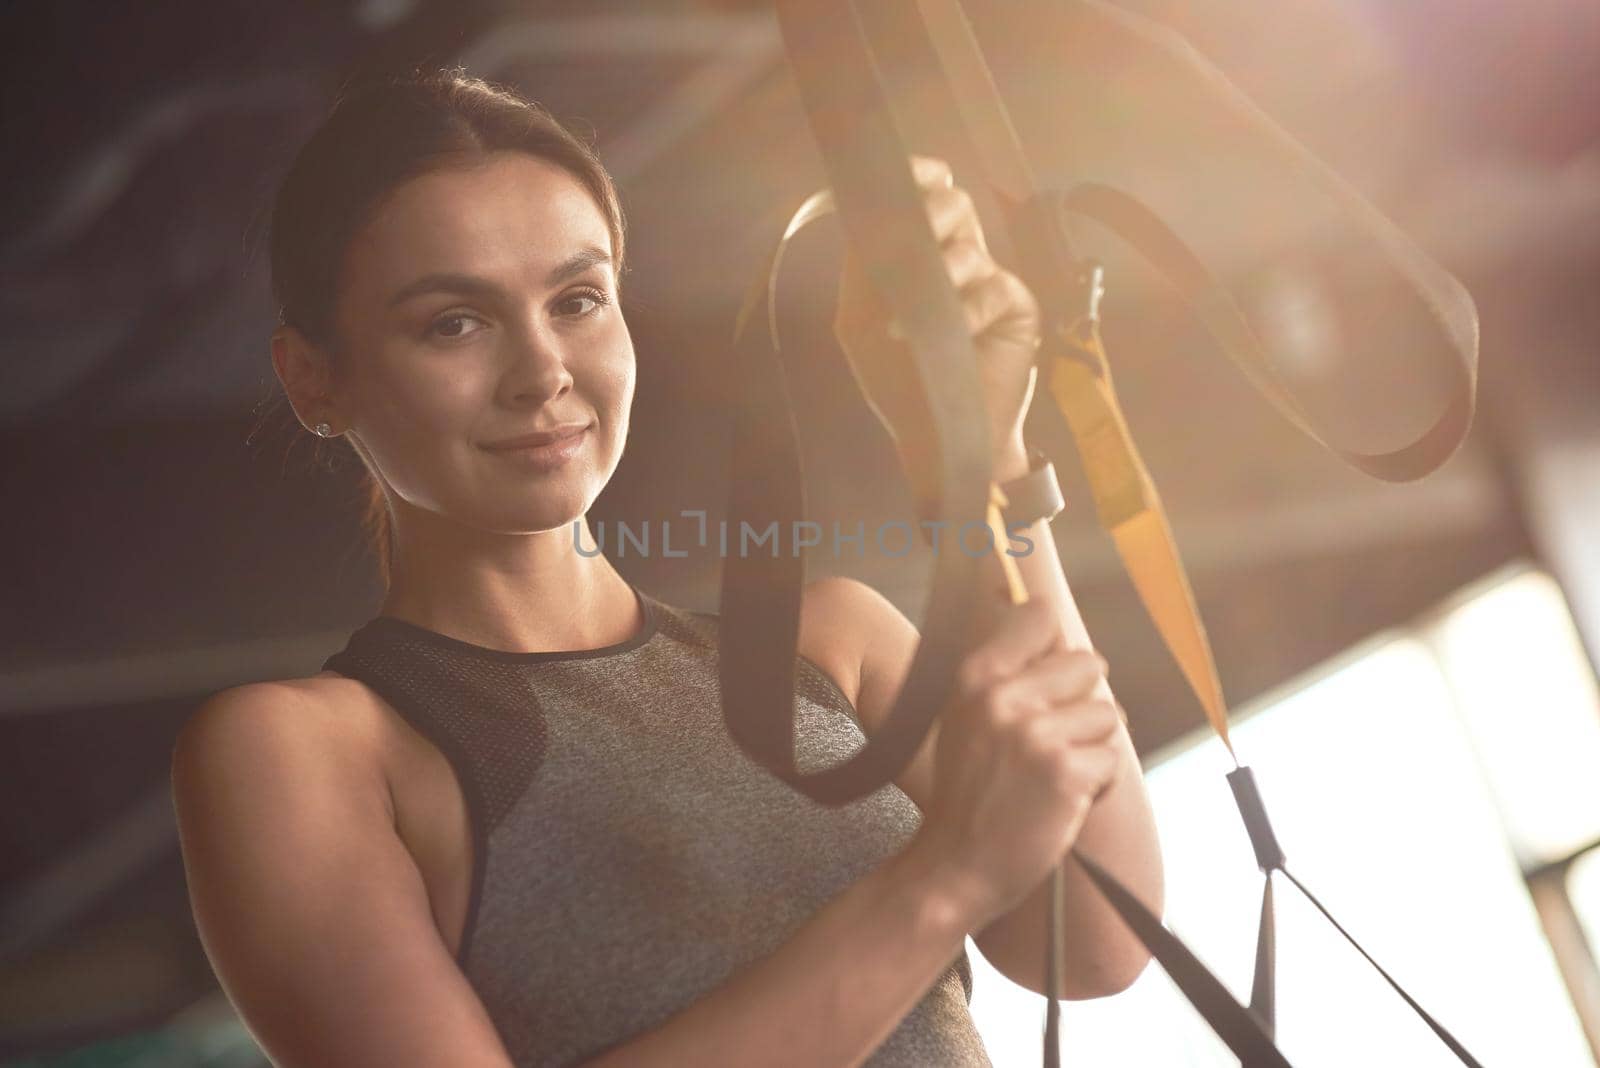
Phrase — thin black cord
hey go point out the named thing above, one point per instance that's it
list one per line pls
(1444, 1036)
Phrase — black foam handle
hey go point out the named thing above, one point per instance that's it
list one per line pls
(1269, 855)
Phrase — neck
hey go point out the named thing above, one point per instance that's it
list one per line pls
(518, 592)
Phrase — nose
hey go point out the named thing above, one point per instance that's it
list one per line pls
(535, 370)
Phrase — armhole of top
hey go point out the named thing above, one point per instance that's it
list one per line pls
(964, 971)
(821, 678)
(467, 782)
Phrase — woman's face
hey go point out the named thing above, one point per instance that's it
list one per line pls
(480, 304)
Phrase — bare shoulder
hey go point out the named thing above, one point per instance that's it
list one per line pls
(322, 697)
(258, 727)
(314, 914)
(275, 747)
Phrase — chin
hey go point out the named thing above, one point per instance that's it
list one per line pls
(543, 503)
(556, 510)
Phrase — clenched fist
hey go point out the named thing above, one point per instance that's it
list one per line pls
(1027, 746)
(1001, 314)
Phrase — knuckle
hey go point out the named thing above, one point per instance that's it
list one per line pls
(994, 701)
(988, 293)
(1090, 660)
(980, 709)
(930, 169)
(1097, 718)
(1065, 776)
(1038, 742)
(970, 675)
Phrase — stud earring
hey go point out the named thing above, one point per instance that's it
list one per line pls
(322, 430)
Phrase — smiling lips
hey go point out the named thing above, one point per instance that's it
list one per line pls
(544, 451)
(539, 438)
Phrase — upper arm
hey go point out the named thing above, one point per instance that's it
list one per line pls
(311, 909)
(867, 645)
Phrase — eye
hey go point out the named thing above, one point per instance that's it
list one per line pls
(581, 303)
(452, 327)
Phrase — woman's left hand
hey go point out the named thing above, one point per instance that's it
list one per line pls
(1001, 314)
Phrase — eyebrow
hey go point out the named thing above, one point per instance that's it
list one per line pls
(454, 282)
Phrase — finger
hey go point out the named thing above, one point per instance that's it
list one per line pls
(1092, 768)
(953, 216)
(967, 263)
(1054, 738)
(1000, 305)
(1023, 632)
(931, 172)
(1061, 676)
(1079, 722)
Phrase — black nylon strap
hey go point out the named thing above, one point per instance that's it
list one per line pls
(1033, 496)
(1142, 229)
(1236, 1025)
(877, 199)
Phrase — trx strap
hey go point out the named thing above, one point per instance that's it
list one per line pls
(843, 54)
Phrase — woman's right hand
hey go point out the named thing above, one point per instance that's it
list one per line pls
(1025, 747)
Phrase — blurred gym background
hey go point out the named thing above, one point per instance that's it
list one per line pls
(1412, 665)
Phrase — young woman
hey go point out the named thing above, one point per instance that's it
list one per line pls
(505, 825)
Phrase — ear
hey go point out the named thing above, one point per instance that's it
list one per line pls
(307, 378)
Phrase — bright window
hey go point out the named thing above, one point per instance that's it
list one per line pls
(1410, 784)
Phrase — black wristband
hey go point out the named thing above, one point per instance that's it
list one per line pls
(1030, 498)
(1034, 496)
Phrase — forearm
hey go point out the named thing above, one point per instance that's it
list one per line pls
(1101, 955)
(833, 992)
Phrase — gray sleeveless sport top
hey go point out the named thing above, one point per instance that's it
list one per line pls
(627, 856)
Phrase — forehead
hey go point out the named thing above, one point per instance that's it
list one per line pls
(509, 215)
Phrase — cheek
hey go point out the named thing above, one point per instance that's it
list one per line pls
(426, 405)
(612, 378)
(417, 415)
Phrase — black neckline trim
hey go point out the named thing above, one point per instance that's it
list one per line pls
(460, 645)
